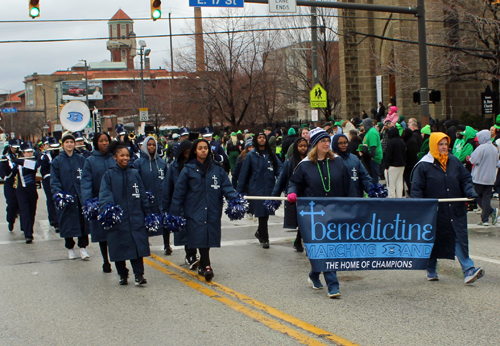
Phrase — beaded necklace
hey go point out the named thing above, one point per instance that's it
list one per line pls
(322, 179)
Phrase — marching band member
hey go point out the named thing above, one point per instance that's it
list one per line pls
(27, 195)
(66, 174)
(258, 176)
(218, 152)
(321, 174)
(127, 240)
(184, 135)
(95, 167)
(199, 191)
(80, 146)
(10, 184)
(180, 238)
(153, 170)
(52, 147)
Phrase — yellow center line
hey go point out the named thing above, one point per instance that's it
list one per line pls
(261, 306)
(304, 339)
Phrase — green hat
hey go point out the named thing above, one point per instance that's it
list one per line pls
(360, 147)
(292, 132)
(233, 133)
(303, 125)
(338, 123)
(426, 130)
(497, 122)
(400, 128)
(380, 125)
(239, 131)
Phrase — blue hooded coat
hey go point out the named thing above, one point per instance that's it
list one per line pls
(65, 175)
(429, 180)
(180, 238)
(152, 172)
(129, 238)
(201, 197)
(258, 177)
(95, 167)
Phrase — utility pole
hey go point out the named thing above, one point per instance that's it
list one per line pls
(314, 47)
(171, 61)
(86, 85)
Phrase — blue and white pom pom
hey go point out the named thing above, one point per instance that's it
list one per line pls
(111, 216)
(150, 196)
(377, 191)
(271, 205)
(173, 223)
(153, 222)
(91, 209)
(62, 199)
(236, 208)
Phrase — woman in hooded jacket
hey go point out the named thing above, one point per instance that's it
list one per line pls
(258, 176)
(300, 149)
(198, 192)
(358, 173)
(395, 162)
(439, 175)
(153, 170)
(180, 238)
(95, 167)
(233, 148)
(128, 239)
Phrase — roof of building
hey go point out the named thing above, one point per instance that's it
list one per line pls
(120, 16)
(103, 65)
(15, 98)
(126, 74)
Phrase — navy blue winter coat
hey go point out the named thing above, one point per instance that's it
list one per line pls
(359, 175)
(152, 172)
(129, 238)
(306, 180)
(201, 197)
(66, 175)
(429, 180)
(258, 177)
(95, 167)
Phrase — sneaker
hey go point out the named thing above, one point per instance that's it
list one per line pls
(257, 235)
(123, 280)
(265, 245)
(72, 254)
(192, 262)
(334, 293)
(316, 283)
(297, 245)
(83, 254)
(209, 274)
(472, 274)
(494, 216)
(140, 280)
(481, 223)
(11, 227)
(432, 276)
(29, 240)
(168, 250)
(106, 267)
(201, 271)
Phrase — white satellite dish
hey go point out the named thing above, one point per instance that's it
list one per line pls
(75, 116)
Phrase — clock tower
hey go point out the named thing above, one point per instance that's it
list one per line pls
(122, 43)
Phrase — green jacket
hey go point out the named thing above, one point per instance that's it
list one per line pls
(468, 147)
(424, 149)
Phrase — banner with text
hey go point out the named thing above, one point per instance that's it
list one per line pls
(367, 234)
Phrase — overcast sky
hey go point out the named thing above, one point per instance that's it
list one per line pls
(18, 60)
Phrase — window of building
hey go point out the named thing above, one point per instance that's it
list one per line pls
(123, 26)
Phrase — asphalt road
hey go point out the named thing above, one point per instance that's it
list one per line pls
(257, 297)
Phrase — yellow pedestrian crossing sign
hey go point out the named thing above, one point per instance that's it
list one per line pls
(317, 97)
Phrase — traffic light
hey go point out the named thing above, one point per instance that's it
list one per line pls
(34, 8)
(155, 9)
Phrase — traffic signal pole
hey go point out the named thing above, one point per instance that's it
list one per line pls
(418, 11)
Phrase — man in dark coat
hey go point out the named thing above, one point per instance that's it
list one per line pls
(411, 156)
(380, 112)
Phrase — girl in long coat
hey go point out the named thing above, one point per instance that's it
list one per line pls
(95, 167)
(321, 174)
(199, 191)
(299, 151)
(153, 170)
(439, 175)
(180, 238)
(258, 176)
(128, 239)
(65, 176)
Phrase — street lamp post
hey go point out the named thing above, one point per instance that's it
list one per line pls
(143, 53)
(86, 83)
